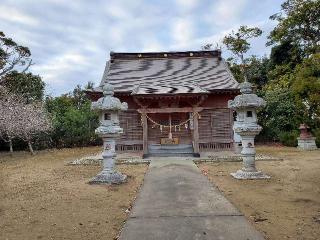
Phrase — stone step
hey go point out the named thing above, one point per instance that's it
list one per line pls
(170, 147)
(168, 154)
(162, 150)
(171, 150)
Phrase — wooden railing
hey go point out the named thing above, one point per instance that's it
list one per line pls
(129, 148)
(213, 146)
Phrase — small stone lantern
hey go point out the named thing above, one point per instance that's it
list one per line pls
(306, 141)
(108, 108)
(246, 105)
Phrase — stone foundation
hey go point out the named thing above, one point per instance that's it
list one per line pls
(109, 178)
(241, 174)
(307, 143)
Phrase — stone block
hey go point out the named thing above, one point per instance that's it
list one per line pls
(307, 143)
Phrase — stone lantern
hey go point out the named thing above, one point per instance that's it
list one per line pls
(108, 108)
(306, 141)
(246, 105)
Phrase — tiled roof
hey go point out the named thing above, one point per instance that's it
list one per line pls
(168, 73)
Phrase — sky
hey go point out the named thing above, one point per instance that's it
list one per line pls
(70, 41)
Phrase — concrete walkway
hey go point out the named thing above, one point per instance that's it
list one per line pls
(178, 202)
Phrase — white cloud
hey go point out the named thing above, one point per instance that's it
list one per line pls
(116, 33)
(151, 44)
(54, 70)
(187, 5)
(14, 15)
(117, 11)
(182, 32)
(71, 40)
(226, 12)
(196, 43)
(257, 44)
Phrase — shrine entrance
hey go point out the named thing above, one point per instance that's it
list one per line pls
(170, 134)
(170, 124)
(169, 128)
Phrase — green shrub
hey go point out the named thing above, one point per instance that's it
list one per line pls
(289, 138)
(316, 133)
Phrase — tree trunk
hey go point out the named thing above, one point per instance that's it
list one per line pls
(30, 147)
(243, 69)
(11, 148)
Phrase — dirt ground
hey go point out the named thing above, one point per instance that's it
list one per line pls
(285, 207)
(42, 198)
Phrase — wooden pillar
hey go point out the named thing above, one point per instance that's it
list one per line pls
(145, 134)
(196, 151)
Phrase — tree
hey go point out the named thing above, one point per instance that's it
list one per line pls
(33, 120)
(237, 43)
(30, 87)
(10, 109)
(298, 21)
(79, 97)
(74, 122)
(286, 53)
(207, 47)
(89, 85)
(12, 56)
(21, 112)
(235, 69)
(257, 71)
(280, 114)
(306, 89)
(21, 120)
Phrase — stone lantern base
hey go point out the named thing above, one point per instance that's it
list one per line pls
(109, 175)
(109, 178)
(241, 174)
(249, 171)
(307, 143)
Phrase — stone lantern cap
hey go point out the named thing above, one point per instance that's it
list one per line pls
(108, 102)
(304, 126)
(304, 131)
(247, 99)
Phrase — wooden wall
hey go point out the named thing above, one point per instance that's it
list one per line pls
(131, 138)
(215, 129)
(215, 126)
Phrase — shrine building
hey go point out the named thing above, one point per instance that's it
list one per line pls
(177, 101)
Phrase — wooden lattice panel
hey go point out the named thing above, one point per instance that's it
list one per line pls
(211, 146)
(130, 121)
(215, 126)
